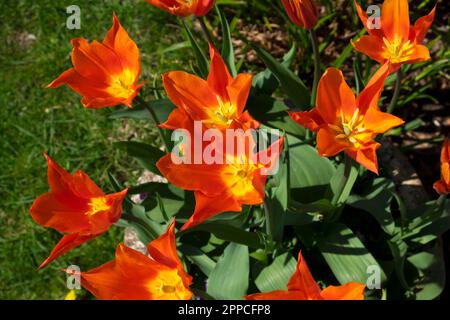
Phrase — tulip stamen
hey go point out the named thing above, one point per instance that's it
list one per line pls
(122, 85)
(349, 130)
(397, 50)
(97, 205)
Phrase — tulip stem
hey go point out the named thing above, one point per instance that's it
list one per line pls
(315, 47)
(164, 140)
(398, 85)
(205, 30)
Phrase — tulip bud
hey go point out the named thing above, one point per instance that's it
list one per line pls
(301, 12)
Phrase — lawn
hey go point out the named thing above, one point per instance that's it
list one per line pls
(34, 119)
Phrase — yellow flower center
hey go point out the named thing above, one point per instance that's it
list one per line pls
(222, 116)
(122, 85)
(350, 130)
(398, 50)
(168, 285)
(239, 175)
(98, 205)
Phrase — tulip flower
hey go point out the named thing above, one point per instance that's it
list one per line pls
(135, 276)
(396, 41)
(218, 102)
(76, 207)
(301, 12)
(184, 8)
(344, 123)
(105, 74)
(302, 286)
(443, 186)
(222, 187)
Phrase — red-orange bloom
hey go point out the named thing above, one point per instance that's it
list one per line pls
(135, 276)
(302, 286)
(396, 40)
(105, 74)
(240, 180)
(443, 186)
(76, 207)
(301, 12)
(344, 123)
(184, 8)
(218, 102)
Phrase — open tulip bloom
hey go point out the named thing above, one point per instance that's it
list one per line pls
(345, 123)
(106, 74)
(184, 8)
(396, 41)
(76, 207)
(302, 286)
(135, 276)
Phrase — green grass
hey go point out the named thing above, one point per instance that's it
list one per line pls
(34, 119)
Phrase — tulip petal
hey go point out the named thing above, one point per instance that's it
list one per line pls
(207, 207)
(219, 77)
(371, 46)
(67, 243)
(364, 18)
(423, 24)
(190, 93)
(208, 178)
(311, 120)
(334, 95)
(368, 98)
(327, 144)
(380, 122)
(178, 119)
(366, 156)
(348, 291)
(238, 91)
(420, 54)
(302, 280)
(277, 295)
(395, 19)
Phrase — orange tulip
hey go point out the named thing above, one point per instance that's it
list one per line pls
(135, 276)
(105, 74)
(76, 207)
(184, 8)
(301, 12)
(218, 102)
(396, 41)
(443, 186)
(344, 123)
(240, 180)
(302, 286)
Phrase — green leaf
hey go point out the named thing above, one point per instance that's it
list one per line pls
(277, 275)
(231, 233)
(162, 108)
(342, 182)
(229, 279)
(137, 219)
(346, 255)
(227, 44)
(273, 113)
(430, 265)
(147, 155)
(307, 168)
(399, 250)
(294, 88)
(265, 83)
(199, 258)
(375, 198)
(202, 61)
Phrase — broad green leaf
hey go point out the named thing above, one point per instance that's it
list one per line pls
(147, 155)
(307, 168)
(229, 279)
(294, 88)
(277, 275)
(399, 250)
(137, 219)
(375, 198)
(347, 256)
(273, 113)
(342, 182)
(162, 108)
(232, 233)
(199, 258)
(265, 82)
(227, 44)
(430, 265)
